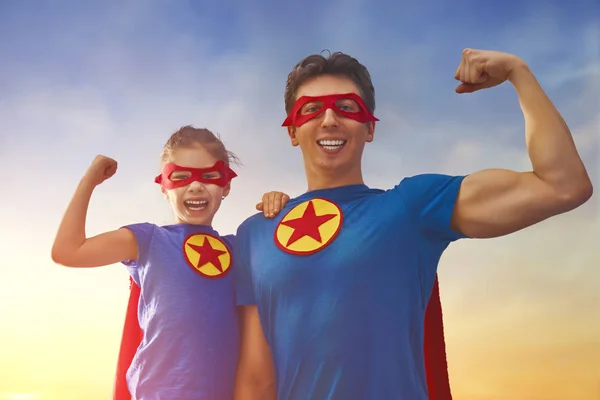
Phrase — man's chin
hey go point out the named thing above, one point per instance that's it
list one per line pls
(332, 164)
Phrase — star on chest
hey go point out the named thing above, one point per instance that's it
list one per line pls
(309, 227)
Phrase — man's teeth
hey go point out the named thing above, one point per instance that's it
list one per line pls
(195, 204)
(331, 144)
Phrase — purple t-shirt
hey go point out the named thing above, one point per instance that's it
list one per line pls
(187, 312)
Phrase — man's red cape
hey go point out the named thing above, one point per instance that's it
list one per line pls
(436, 366)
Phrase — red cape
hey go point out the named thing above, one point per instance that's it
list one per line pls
(436, 366)
(130, 340)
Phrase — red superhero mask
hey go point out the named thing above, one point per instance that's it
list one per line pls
(349, 105)
(174, 176)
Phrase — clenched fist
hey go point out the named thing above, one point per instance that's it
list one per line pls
(101, 169)
(482, 69)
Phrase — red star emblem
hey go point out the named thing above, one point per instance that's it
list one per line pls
(307, 225)
(208, 254)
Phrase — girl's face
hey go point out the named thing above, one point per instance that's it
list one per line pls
(197, 202)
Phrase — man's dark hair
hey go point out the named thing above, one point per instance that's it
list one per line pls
(339, 64)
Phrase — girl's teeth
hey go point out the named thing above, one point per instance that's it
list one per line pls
(195, 204)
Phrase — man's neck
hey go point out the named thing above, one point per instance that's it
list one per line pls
(331, 179)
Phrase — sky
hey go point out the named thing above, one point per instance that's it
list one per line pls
(522, 312)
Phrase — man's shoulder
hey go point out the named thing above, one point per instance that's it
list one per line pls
(258, 220)
(425, 177)
(425, 181)
(252, 222)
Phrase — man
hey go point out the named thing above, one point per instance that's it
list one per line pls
(334, 290)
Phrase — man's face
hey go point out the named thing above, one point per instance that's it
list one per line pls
(331, 142)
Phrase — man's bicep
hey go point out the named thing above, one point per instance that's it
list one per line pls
(496, 202)
(255, 373)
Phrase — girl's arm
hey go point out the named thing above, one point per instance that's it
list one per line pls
(71, 247)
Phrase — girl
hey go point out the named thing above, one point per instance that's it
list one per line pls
(186, 308)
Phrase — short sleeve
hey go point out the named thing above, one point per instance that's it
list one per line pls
(430, 200)
(244, 285)
(143, 233)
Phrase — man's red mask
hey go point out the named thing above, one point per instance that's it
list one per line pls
(349, 105)
(174, 176)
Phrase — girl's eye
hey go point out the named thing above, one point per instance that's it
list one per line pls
(210, 176)
(179, 177)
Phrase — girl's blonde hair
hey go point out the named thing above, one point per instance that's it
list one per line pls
(188, 136)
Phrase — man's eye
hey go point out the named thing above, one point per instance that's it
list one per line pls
(348, 105)
(210, 176)
(311, 108)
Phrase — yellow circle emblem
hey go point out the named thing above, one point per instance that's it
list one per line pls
(207, 254)
(309, 227)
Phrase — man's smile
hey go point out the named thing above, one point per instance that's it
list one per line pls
(331, 146)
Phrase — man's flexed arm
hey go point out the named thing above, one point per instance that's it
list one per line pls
(498, 202)
(255, 376)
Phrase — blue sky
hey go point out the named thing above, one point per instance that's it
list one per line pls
(124, 55)
(118, 77)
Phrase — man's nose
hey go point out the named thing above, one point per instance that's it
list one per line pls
(330, 118)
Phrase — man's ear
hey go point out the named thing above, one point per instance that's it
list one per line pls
(292, 133)
(370, 131)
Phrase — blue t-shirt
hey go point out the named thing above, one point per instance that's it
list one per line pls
(346, 321)
(187, 311)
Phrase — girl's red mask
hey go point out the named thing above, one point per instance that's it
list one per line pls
(190, 175)
(359, 113)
